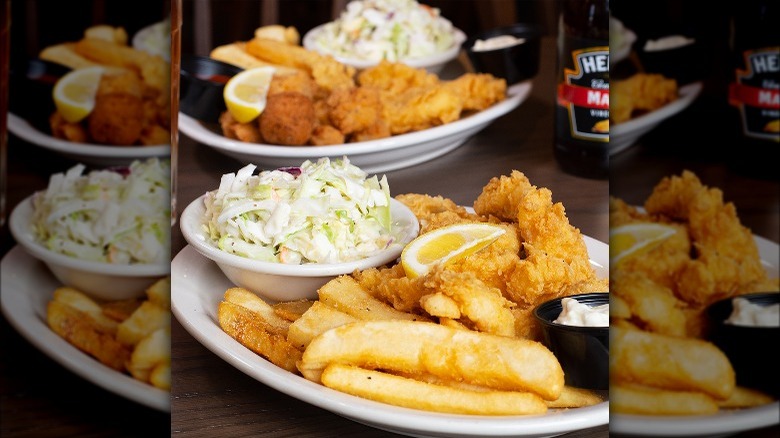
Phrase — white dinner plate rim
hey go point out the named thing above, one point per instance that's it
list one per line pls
(687, 94)
(24, 279)
(189, 266)
(516, 94)
(26, 131)
(724, 422)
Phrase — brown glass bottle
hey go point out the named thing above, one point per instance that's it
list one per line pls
(754, 88)
(582, 96)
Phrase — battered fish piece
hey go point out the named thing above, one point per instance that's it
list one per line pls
(354, 109)
(477, 91)
(725, 257)
(288, 119)
(420, 108)
(640, 93)
(246, 132)
(61, 128)
(324, 135)
(395, 78)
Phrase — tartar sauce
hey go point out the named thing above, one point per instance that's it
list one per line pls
(666, 43)
(498, 42)
(748, 314)
(582, 315)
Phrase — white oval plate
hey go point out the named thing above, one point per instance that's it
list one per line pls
(724, 422)
(27, 287)
(94, 154)
(625, 134)
(197, 288)
(373, 156)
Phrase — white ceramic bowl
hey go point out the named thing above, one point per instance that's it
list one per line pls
(433, 63)
(104, 281)
(626, 134)
(283, 282)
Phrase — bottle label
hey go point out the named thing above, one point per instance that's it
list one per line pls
(756, 93)
(584, 92)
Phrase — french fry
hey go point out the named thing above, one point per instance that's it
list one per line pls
(148, 318)
(149, 352)
(345, 294)
(674, 363)
(65, 54)
(497, 362)
(81, 302)
(120, 310)
(635, 399)
(572, 397)
(160, 292)
(160, 375)
(410, 393)
(292, 310)
(251, 331)
(277, 32)
(116, 35)
(315, 321)
(236, 54)
(743, 397)
(80, 330)
(247, 299)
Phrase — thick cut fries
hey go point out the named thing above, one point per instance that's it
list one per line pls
(247, 299)
(315, 321)
(247, 328)
(78, 328)
(410, 393)
(497, 362)
(635, 399)
(345, 294)
(674, 363)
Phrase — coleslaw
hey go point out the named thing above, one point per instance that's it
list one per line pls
(321, 212)
(116, 215)
(373, 30)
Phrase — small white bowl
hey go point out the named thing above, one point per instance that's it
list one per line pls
(100, 280)
(284, 282)
(433, 63)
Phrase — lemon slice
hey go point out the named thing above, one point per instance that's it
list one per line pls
(245, 93)
(74, 93)
(636, 238)
(445, 245)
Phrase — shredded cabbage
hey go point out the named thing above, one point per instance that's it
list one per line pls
(118, 216)
(394, 30)
(321, 212)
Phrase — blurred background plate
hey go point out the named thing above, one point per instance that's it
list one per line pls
(27, 288)
(374, 156)
(93, 154)
(626, 134)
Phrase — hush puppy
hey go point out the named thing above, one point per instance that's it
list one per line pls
(288, 119)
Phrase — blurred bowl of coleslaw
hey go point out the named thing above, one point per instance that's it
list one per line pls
(105, 232)
(283, 233)
(369, 31)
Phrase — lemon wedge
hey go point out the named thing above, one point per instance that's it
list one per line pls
(636, 238)
(445, 245)
(245, 93)
(74, 93)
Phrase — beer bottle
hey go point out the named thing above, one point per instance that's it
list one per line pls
(754, 88)
(582, 104)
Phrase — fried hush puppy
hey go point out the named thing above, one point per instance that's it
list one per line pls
(288, 119)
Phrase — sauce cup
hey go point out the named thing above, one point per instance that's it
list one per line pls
(583, 352)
